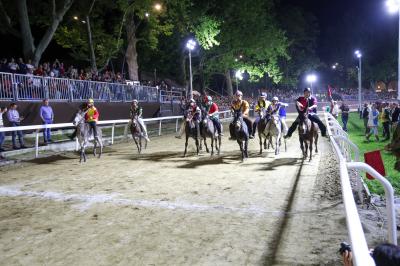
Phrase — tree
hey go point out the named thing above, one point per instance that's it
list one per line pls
(96, 42)
(302, 32)
(19, 9)
(242, 30)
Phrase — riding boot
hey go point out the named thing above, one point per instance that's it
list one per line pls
(254, 128)
(232, 132)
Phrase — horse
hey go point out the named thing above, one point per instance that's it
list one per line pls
(308, 132)
(261, 128)
(137, 133)
(83, 133)
(241, 133)
(191, 131)
(207, 130)
(273, 129)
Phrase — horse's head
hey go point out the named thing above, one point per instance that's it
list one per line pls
(275, 120)
(304, 124)
(263, 113)
(79, 117)
(237, 120)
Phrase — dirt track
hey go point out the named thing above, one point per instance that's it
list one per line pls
(161, 209)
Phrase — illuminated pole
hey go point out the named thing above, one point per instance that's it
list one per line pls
(190, 45)
(394, 7)
(359, 55)
(238, 76)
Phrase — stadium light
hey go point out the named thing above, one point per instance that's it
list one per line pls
(393, 6)
(238, 76)
(191, 44)
(311, 78)
(358, 54)
(158, 7)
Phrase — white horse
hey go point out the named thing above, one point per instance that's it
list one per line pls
(273, 129)
(84, 135)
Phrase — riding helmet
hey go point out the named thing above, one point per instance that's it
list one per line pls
(135, 101)
(307, 89)
(209, 99)
(90, 101)
(238, 93)
(275, 99)
(263, 95)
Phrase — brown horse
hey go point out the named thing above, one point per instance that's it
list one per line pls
(192, 130)
(308, 132)
(261, 130)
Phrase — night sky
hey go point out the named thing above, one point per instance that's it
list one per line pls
(348, 25)
(344, 27)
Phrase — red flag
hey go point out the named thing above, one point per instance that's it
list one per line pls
(374, 159)
(329, 91)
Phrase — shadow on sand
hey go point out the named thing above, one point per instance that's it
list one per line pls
(51, 159)
(269, 257)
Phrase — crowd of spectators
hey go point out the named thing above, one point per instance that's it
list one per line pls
(57, 69)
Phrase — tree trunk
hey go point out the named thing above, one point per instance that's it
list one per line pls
(131, 53)
(48, 36)
(91, 45)
(28, 46)
(229, 88)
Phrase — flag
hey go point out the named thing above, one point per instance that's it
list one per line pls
(329, 91)
(374, 159)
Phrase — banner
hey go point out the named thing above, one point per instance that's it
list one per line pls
(374, 159)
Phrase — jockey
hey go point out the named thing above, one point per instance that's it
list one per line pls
(212, 110)
(137, 111)
(243, 106)
(195, 111)
(262, 103)
(304, 104)
(92, 116)
(278, 108)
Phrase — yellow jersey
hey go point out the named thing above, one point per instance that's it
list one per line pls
(241, 105)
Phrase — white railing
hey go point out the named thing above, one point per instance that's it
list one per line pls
(348, 155)
(19, 87)
(224, 115)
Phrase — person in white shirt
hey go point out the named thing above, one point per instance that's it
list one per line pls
(2, 134)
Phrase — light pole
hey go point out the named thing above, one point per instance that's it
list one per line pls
(191, 44)
(311, 78)
(359, 55)
(394, 7)
(238, 76)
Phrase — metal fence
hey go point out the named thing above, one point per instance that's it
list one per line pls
(34, 88)
(349, 159)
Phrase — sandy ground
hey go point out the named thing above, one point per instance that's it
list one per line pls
(158, 208)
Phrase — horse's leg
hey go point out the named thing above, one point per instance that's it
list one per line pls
(301, 145)
(311, 142)
(94, 146)
(246, 143)
(219, 144)
(186, 144)
(197, 145)
(305, 148)
(205, 143)
(271, 142)
(212, 144)
(140, 144)
(260, 141)
(241, 148)
(276, 145)
(136, 143)
(83, 152)
(316, 141)
(265, 143)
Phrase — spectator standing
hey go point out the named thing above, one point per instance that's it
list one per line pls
(22, 69)
(395, 114)
(345, 115)
(386, 121)
(30, 67)
(13, 66)
(373, 117)
(47, 116)
(365, 115)
(2, 134)
(335, 109)
(15, 120)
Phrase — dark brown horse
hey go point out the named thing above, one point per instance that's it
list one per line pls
(192, 130)
(308, 132)
(263, 138)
